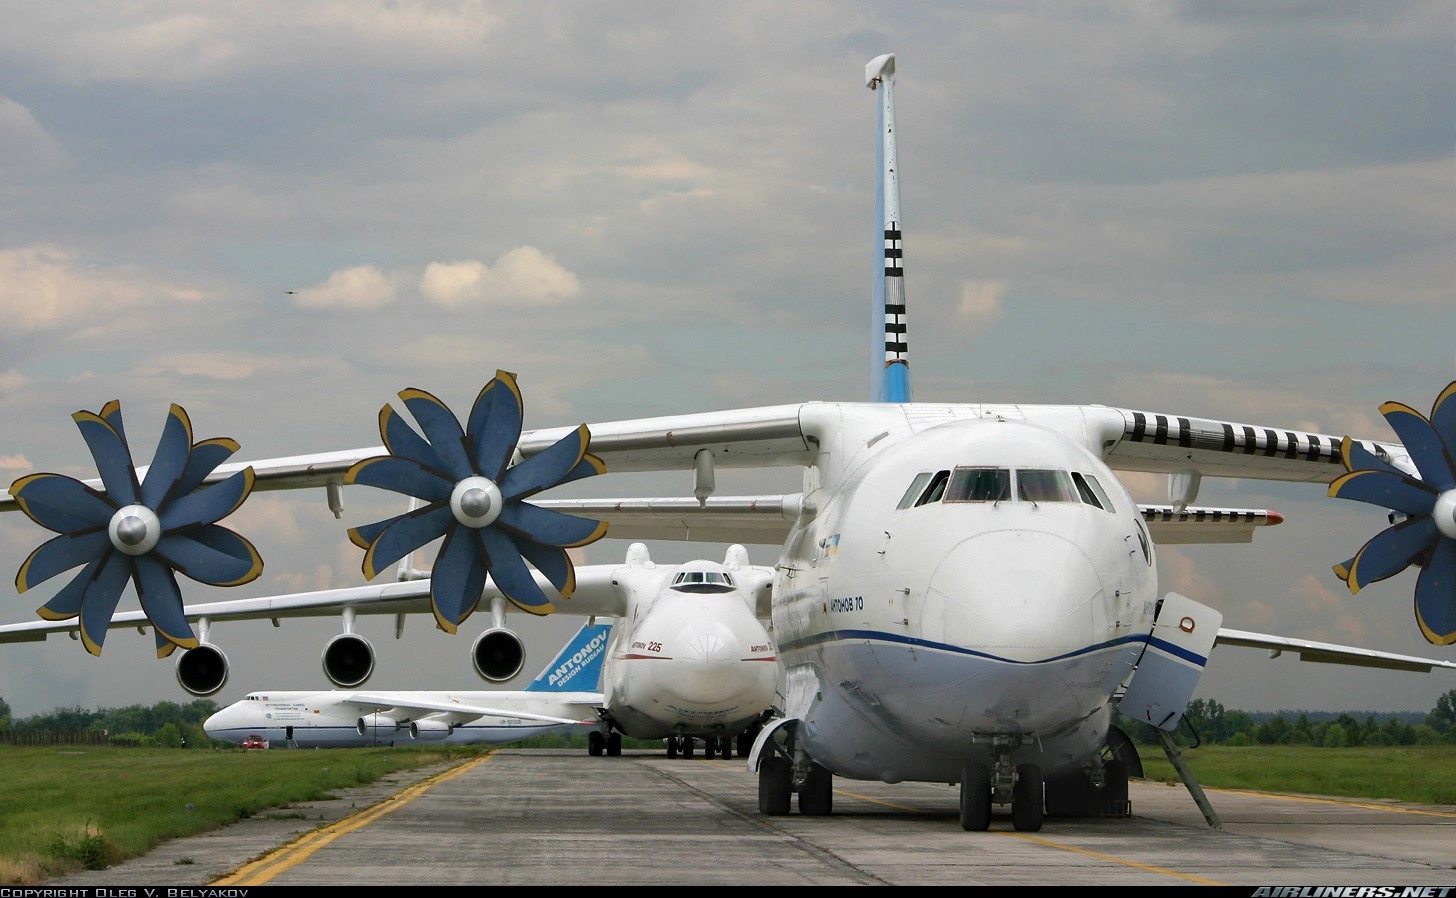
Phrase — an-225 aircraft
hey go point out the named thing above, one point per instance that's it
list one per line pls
(964, 590)
(562, 697)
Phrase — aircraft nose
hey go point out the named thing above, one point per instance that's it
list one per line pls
(707, 668)
(220, 723)
(1014, 589)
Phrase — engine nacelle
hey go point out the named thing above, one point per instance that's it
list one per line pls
(430, 730)
(498, 654)
(371, 722)
(348, 660)
(202, 671)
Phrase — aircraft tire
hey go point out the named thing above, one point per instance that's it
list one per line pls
(775, 785)
(595, 743)
(687, 746)
(614, 745)
(1073, 795)
(710, 747)
(1026, 799)
(1114, 792)
(671, 747)
(976, 798)
(816, 795)
(745, 742)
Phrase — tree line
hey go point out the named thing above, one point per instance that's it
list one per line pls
(1206, 721)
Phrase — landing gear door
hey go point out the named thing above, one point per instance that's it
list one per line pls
(1160, 688)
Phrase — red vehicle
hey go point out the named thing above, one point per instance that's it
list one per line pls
(255, 741)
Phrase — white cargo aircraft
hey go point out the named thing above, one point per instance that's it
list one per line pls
(563, 697)
(963, 594)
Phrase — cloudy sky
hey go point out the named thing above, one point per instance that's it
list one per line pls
(280, 214)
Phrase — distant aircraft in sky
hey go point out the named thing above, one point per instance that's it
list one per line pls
(563, 697)
(964, 590)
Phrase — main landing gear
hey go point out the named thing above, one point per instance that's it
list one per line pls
(983, 785)
(599, 743)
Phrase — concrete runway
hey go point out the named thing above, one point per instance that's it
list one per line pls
(542, 817)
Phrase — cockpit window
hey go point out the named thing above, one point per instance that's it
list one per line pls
(935, 490)
(1045, 485)
(702, 581)
(917, 486)
(979, 485)
(1097, 489)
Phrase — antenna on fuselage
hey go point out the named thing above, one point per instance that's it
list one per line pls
(889, 357)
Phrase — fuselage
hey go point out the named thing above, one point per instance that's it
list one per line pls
(977, 579)
(327, 719)
(689, 657)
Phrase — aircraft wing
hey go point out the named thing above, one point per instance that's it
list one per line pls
(1168, 524)
(1164, 443)
(594, 595)
(412, 707)
(1328, 653)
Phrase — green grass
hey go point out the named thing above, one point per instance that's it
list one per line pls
(67, 808)
(1420, 774)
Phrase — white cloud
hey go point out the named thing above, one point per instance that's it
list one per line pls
(43, 288)
(24, 143)
(980, 303)
(361, 287)
(525, 275)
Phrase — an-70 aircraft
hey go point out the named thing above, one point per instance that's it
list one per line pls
(964, 591)
(562, 697)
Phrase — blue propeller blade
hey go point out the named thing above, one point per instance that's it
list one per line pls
(207, 556)
(113, 459)
(404, 441)
(206, 456)
(60, 554)
(161, 601)
(495, 425)
(1397, 491)
(588, 466)
(442, 430)
(61, 503)
(1358, 458)
(405, 534)
(1436, 595)
(1423, 443)
(102, 593)
(457, 578)
(209, 504)
(551, 528)
(1391, 551)
(174, 449)
(66, 603)
(553, 562)
(1443, 416)
(401, 475)
(509, 571)
(546, 468)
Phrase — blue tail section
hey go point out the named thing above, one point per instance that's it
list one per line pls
(578, 666)
(889, 355)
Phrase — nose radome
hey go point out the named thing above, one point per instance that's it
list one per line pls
(1015, 590)
(706, 668)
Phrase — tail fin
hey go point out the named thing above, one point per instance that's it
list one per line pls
(889, 358)
(578, 666)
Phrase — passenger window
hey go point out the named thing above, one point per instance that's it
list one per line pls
(1045, 485)
(979, 485)
(917, 486)
(935, 490)
(1085, 491)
